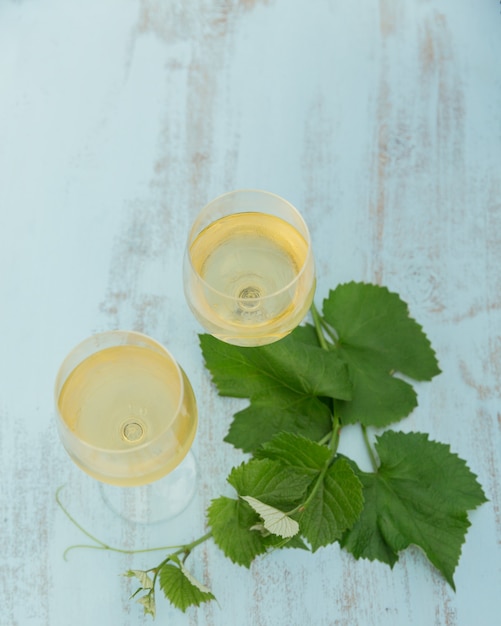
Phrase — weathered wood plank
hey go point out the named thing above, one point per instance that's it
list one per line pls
(118, 121)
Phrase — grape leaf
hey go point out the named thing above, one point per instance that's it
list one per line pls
(335, 494)
(231, 521)
(420, 495)
(377, 337)
(295, 365)
(180, 588)
(295, 451)
(277, 412)
(285, 382)
(235, 524)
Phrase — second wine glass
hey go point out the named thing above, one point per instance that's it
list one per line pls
(127, 415)
(249, 274)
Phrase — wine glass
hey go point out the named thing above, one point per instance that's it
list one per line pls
(249, 274)
(127, 415)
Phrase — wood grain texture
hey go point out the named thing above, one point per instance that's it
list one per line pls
(119, 120)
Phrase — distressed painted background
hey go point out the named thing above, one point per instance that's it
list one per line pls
(381, 121)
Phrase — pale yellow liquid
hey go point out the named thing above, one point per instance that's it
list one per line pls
(248, 263)
(129, 420)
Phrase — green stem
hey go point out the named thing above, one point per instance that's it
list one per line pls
(317, 320)
(319, 480)
(332, 445)
(332, 439)
(101, 545)
(336, 432)
(370, 451)
(186, 549)
(325, 439)
(320, 326)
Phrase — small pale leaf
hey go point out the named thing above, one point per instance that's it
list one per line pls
(275, 521)
(148, 602)
(142, 576)
(196, 583)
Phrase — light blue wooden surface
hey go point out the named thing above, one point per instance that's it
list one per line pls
(119, 119)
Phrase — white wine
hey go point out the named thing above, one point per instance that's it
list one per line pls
(130, 412)
(257, 277)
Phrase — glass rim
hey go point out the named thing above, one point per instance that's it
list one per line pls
(59, 384)
(296, 278)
